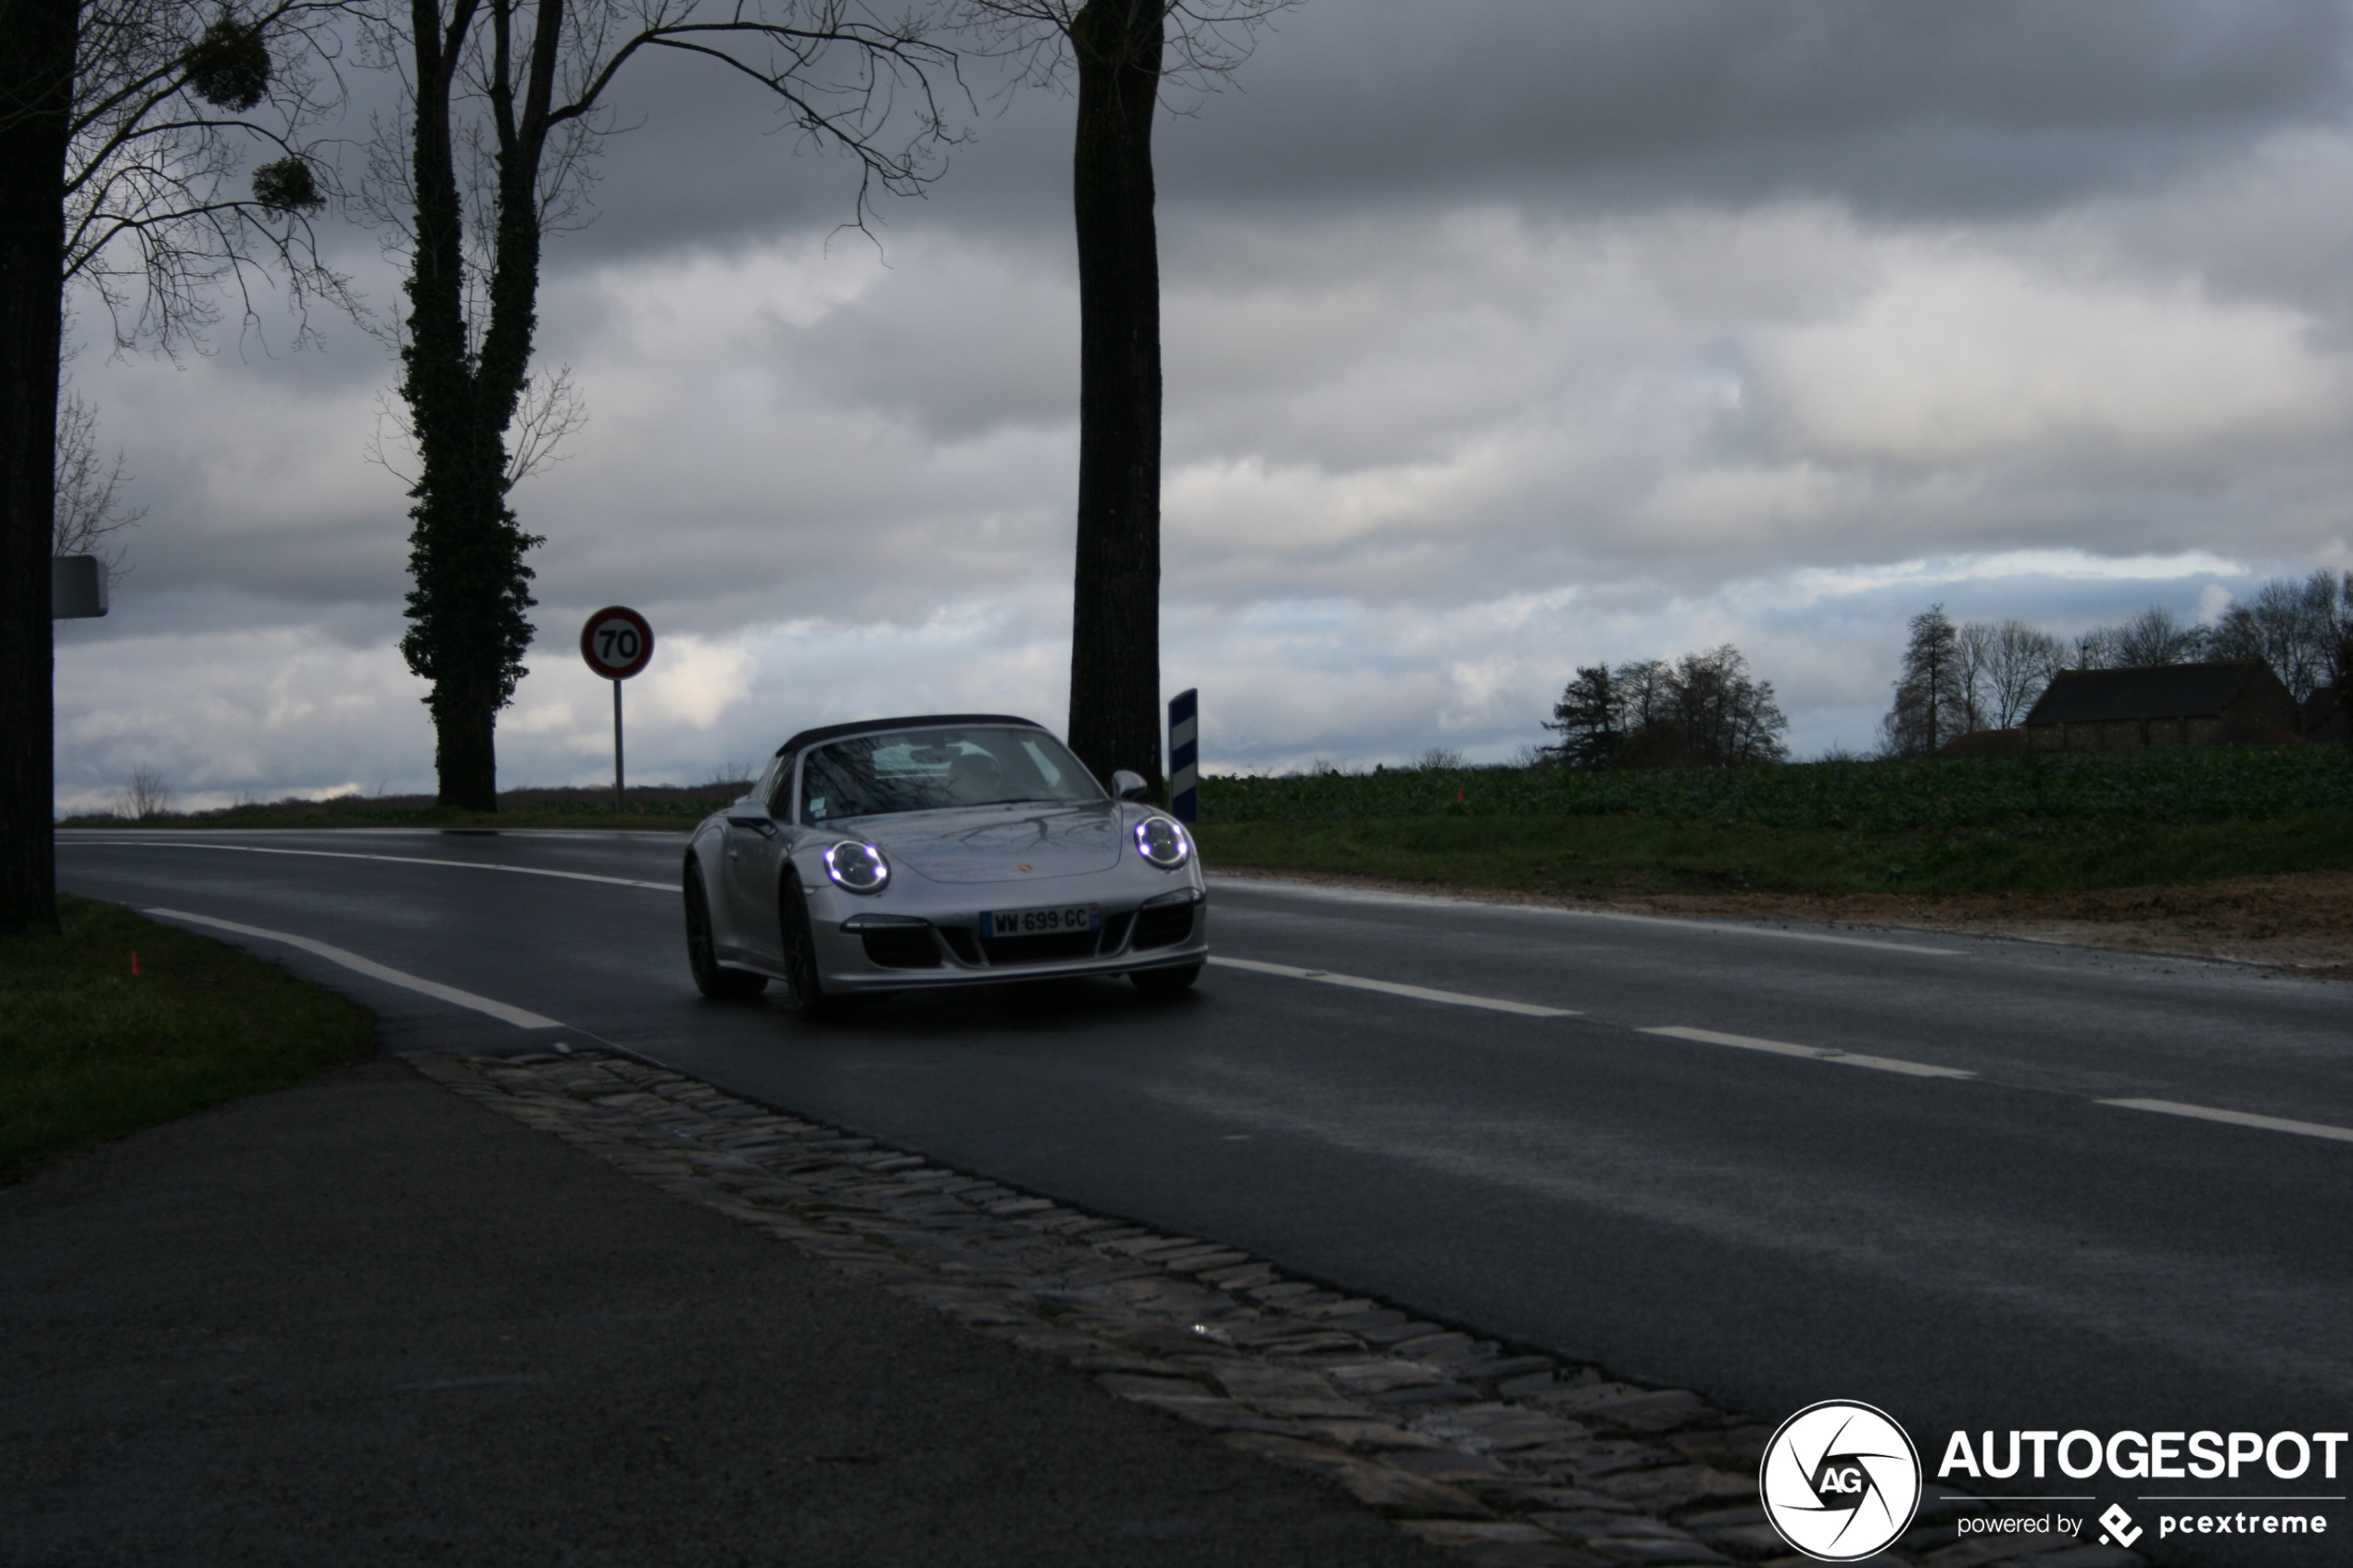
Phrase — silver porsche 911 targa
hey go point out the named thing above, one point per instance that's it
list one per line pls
(948, 851)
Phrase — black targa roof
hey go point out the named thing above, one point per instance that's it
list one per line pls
(921, 722)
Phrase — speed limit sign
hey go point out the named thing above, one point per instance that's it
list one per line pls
(617, 642)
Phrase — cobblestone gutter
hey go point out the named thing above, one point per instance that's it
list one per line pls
(1504, 1459)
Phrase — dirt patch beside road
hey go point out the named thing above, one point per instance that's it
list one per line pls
(2302, 923)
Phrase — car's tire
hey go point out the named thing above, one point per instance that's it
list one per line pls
(807, 995)
(1165, 982)
(713, 978)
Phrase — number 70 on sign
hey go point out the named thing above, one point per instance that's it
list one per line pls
(617, 642)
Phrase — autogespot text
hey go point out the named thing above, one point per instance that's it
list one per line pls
(2133, 1456)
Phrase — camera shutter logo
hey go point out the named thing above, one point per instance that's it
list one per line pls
(1840, 1481)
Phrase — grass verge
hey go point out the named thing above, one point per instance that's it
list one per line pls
(91, 1050)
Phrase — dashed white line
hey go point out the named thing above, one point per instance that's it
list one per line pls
(2237, 1117)
(1393, 988)
(397, 860)
(519, 1017)
(1811, 1053)
(1723, 928)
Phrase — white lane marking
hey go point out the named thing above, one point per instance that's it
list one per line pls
(2237, 1118)
(375, 971)
(1391, 987)
(399, 860)
(1812, 1053)
(1368, 896)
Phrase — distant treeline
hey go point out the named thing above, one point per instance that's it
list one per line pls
(1705, 711)
(1702, 711)
(1987, 675)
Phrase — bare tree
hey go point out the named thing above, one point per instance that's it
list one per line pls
(2292, 624)
(148, 795)
(91, 509)
(1931, 705)
(1973, 647)
(1125, 54)
(2156, 636)
(150, 150)
(551, 410)
(1722, 717)
(2095, 649)
(504, 107)
(2019, 664)
(1646, 693)
(195, 162)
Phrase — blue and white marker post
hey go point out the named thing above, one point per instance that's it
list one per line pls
(1184, 755)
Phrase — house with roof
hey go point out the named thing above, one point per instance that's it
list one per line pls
(2231, 702)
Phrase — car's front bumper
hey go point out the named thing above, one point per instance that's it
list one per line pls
(870, 950)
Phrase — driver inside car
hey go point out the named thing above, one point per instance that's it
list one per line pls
(974, 778)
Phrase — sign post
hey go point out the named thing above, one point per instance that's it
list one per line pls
(1184, 755)
(617, 642)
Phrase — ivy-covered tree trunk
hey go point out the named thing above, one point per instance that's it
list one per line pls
(836, 70)
(36, 97)
(466, 551)
(1114, 644)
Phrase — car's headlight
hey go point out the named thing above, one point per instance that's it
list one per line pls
(860, 868)
(1163, 842)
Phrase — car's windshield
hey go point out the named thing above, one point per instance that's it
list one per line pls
(923, 769)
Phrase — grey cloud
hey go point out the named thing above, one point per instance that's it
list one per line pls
(957, 349)
(700, 160)
(1905, 108)
(140, 610)
(1464, 302)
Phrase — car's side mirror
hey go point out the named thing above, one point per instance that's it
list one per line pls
(1127, 786)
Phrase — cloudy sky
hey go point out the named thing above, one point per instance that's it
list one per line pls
(1502, 336)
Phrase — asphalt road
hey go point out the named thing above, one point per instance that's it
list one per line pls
(1774, 1164)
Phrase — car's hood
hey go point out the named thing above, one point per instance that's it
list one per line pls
(1003, 842)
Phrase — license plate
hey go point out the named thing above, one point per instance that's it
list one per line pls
(1051, 921)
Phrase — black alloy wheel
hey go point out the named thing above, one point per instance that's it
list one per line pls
(713, 978)
(810, 998)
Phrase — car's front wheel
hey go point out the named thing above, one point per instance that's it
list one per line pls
(810, 998)
(1165, 982)
(713, 978)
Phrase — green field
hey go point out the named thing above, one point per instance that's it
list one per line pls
(2064, 824)
(91, 1050)
(2026, 825)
